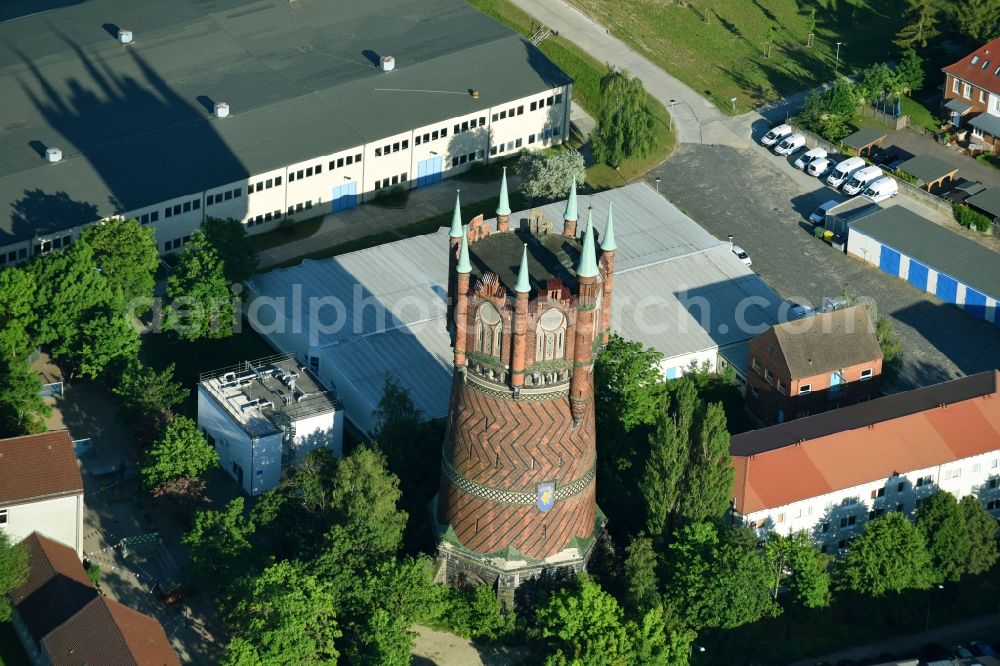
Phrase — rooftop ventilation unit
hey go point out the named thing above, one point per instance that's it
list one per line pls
(221, 110)
(387, 63)
(125, 35)
(53, 155)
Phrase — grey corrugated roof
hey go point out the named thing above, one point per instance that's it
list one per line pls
(987, 199)
(133, 122)
(928, 168)
(957, 105)
(827, 341)
(864, 137)
(935, 246)
(987, 122)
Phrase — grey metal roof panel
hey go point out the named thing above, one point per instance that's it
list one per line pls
(134, 122)
(928, 168)
(987, 199)
(935, 246)
(864, 137)
(957, 105)
(987, 122)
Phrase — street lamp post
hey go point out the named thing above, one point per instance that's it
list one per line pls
(733, 100)
(730, 241)
(838, 54)
(930, 596)
(657, 183)
(700, 648)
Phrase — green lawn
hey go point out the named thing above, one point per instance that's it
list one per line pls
(286, 234)
(717, 46)
(920, 115)
(11, 652)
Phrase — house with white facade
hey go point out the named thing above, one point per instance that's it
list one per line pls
(41, 489)
(269, 113)
(830, 473)
(264, 415)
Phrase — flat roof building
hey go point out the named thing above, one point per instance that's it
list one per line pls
(259, 111)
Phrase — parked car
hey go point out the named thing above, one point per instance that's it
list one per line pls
(890, 158)
(776, 134)
(844, 170)
(790, 145)
(859, 181)
(881, 189)
(742, 255)
(818, 216)
(809, 157)
(820, 167)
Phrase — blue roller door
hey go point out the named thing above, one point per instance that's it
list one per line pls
(429, 171)
(345, 196)
(888, 261)
(947, 288)
(975, 303)
(917, 275)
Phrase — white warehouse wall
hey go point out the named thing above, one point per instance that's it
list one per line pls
(60, 519)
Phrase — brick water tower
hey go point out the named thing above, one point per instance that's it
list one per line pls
(532, 305)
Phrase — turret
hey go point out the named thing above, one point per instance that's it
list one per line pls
(581, 386)
(521, 290)
(454, 240)
(503, 207)
(570, 216)
(608, 247)
(462, 270)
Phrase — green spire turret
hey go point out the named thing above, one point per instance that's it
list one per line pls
(464, 265)
(608, 244)
(503, 208)
(570, 213)
(523, 283)
(456, 219)
(588, 256)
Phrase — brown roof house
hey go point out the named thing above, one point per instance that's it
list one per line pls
(63, 621)
(830, 473)
(41, 488)
(971, 97)
(813, 365)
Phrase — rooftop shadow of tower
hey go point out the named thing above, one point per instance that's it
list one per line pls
(142, 144)
(531, 308)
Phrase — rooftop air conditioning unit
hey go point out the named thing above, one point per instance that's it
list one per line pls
(125, 35)
(221, 110)
(53, 155)
(387, 63)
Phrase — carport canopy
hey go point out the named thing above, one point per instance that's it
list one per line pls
(864, 139)
(929, 169)
(987, 201)
(957, 105)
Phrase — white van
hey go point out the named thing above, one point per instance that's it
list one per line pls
(859, 181)
(819, 167)
(881, 189)
(844, 170)
(776, 134)
(809, 157)
(790, 144)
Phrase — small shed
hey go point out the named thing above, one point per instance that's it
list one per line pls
(963, 189)
(986, 202)
(865, 140)
(932, 172)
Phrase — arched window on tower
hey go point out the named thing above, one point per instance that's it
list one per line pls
(489, 329)
(550, 336)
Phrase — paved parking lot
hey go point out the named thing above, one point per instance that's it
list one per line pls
(764, 202)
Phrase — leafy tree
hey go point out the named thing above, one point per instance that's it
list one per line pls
(285, 616)
(230, 241)
(662, 485)
(977, 19)
(549, 175)
(796, 560)
(629, 383)
(104, 342)
(22, 410)
(710, 473)
(70, 288)
(877, 82)
(842, 99)
(981, 529)
(584, 625)
(910, 71)
(187, 492)
(942, 524)
(182, 452)
(17, 312)
(642, 584)
(703, 597)
(126, 254)
(922, 20)
(220, 545)
(890, 556)
(200, 303)
(13, 571)
(625, 127)
(892, 349)
(148, 394)
(364, 496)
(830, 113)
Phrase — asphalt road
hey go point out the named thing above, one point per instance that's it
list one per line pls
(764, 203)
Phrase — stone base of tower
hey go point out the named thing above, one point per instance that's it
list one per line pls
(507, 570)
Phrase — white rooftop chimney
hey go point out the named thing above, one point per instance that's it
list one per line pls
(221, 109)
(124, 35)
(53, 155)
(387, 63)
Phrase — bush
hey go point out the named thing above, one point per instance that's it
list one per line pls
(971, 219)
(471, 611)
(906, 177)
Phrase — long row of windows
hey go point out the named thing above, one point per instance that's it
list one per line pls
(469, 157)
(213, 199)
(177, 209)
(547, 134)
(344, 161)
(430, 136)
(14, 255)
(264, 185)
(389, 182)
(305, 173)
(261, 219)
(390, 148)
(299, 207)
(470, 125)
(175, 244)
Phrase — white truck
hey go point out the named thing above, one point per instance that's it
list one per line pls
(790, 144)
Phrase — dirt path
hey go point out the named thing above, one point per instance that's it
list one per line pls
(438, 648)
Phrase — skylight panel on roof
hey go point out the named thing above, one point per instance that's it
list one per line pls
(975, 59)
(997, 73)
(986, 64)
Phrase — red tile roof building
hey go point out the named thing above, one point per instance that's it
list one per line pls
(831, 472)
(41, 488)
(972, 94)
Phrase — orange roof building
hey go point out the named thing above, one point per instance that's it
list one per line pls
(831, 472)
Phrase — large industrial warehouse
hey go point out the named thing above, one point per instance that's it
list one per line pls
(172, 111)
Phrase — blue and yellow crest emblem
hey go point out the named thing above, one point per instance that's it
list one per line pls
(546, 495)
